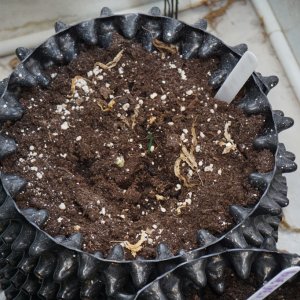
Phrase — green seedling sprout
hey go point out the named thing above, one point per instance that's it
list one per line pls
(150, 141)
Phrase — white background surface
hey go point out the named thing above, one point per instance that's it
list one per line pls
(240, 24)
(288, 15)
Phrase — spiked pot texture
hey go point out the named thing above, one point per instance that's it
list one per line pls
(33, 264)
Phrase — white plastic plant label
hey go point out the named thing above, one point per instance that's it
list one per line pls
(237, 77)
(274, 283)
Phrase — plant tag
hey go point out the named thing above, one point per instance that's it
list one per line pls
(237, 77)
(274, 283)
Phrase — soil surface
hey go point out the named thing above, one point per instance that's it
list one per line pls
(130, 146)
(289, 291)
(238, 289)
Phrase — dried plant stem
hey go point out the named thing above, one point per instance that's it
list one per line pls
(214, 14)
(286, 226)
(112, 63)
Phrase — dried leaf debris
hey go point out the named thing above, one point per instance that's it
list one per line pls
(286, 226)
(164, 48)
(227, 141)
(107, 107)
(134, 116)
(112, 63)
(178, 209)
(135, 248)
(214, 14)
(188, 157)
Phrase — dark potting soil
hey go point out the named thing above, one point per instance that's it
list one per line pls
(289, 291)
(134, 151)
(238, 289)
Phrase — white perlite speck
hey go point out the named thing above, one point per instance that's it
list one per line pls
(80, 83)
(162, 209)
(178, 187)
(202, 134)
(198, 148)
(96, 71)
(189, 92)
(182, 74)
(126, 106)
(188, 201)
(62, 109)
(39, 175)
(78, 138)
(220, 171)
(153, 95)
(62, 206)
(64, 125)
(89, 73)
(31, 148)
(86, 89)
(209, 168)
(163, 97)
(59, 219)
(120, 162)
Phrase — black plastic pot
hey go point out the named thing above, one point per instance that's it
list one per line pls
(266, 263)
(33, 264)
